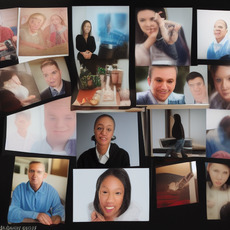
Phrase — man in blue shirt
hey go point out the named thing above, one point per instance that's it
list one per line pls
(162, 82)
(36, 200)
(220, 47)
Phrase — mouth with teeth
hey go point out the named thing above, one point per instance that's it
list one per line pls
(109, 209)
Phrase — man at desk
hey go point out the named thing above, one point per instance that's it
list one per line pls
(36, 200)
(162, 82)
(53, 77)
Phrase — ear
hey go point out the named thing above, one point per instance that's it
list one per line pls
(45, 175)
(149, 80)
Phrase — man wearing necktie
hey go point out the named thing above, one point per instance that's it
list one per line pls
(53, 77)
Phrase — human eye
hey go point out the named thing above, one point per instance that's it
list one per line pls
(218, 80)
(31, 171)
(158, 80)
(99, 128)
(170, 81)
(52, 118)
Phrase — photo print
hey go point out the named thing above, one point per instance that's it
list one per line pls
(101, 49)
(43, 177)
(132, 185)
(176, 184)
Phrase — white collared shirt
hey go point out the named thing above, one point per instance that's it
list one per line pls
(219, 45)
(103, 158)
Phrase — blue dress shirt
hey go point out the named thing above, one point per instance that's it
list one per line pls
(26, 203)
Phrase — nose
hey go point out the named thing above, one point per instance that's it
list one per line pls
(59, 123)
(224, 84)
(110, 198)
(164, 85)
(104, 131)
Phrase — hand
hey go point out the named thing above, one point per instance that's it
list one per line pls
(97, 217)
(28, 100)
(56, 219)
(44, 219)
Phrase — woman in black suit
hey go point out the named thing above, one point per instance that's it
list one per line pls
(85, 44)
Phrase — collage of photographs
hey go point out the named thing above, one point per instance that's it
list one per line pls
(114, 113)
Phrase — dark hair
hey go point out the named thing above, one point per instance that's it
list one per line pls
(6, 75)
(194, 75)
(49, 62)
(123, 176)
(225, 125)
(139, 35)
(99, 117)
(226, 184)
(82, 27)
(152, 67)
(213, 69)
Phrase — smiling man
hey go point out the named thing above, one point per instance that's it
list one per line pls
(162, 82)
(36, 201)
(53, 77)
(220, 47)
(60, 126)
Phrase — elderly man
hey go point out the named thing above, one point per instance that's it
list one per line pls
(162, 82)
(53, 77)
(36, 200)
(220, 47)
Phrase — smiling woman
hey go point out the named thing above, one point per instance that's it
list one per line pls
(105, 154)
(112, 196)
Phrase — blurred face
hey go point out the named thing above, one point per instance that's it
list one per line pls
(197, 88)
(219, 174)
(147, 23)
(111, 194)
(21, 122)
(222, 82)
(220, 30)
(103, 131)
(87, 28)
(52, 75)
(162, 82)
(35, 23)
(36, 175)
(60, 122)
(56, 20)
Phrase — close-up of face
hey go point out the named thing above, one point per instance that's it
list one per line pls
(222, 82)
(162, 82)
(198, 89)
(36, 175)
(220, 30)
(147, 23)
(52, 75)
(60, 122)
(35, 23)
(56, 20)
(87, 28)
(219, 174)
(103, 130)
(22, 123)
(111, 194)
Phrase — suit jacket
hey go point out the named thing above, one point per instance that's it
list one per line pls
(118, 158)
(47, 92)
(146, 98)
